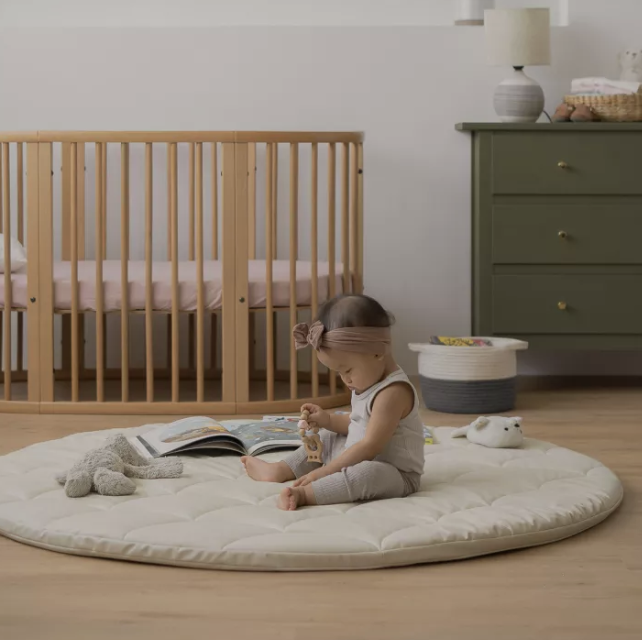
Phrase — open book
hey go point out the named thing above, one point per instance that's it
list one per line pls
(247, 437)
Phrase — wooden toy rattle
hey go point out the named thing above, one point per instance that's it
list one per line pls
(312, 444)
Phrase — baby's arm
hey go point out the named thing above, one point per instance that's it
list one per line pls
(339, 423)
(390, 406)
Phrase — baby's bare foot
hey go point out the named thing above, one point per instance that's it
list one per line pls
(291, 498)
(266, 471)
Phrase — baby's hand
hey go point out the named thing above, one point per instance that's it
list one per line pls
(309, 478)
(318, 417)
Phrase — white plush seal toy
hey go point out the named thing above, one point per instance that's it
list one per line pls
(497, 432)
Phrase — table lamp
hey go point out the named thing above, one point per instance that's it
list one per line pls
(519, 38)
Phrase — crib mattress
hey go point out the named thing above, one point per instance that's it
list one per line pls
(162, 285)
(472, 501)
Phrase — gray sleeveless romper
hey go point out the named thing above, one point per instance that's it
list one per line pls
(394, 473)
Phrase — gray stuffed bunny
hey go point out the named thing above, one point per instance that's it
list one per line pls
(107, 470)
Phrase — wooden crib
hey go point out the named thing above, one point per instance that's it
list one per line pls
(165, 270)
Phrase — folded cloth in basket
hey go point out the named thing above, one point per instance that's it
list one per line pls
(603, 86)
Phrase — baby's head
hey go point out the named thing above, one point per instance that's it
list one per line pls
(352, 337)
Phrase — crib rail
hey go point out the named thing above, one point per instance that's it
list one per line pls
(249, 137)
(256, 230)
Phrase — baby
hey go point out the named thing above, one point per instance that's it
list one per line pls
(375, 452)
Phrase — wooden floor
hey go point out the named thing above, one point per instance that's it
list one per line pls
(585, 588)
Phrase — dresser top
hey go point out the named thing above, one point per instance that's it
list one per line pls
(558, 126)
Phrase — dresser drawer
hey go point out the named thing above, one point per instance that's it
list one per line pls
(567, 163)
(590, 304)
(567, 234)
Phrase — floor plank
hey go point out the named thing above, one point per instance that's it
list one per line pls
(588, 587)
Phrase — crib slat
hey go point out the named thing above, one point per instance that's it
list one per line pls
(251, 200)
(104, 147)
(213, 340)
(332, 236)
(200, 302)
(124, 269)
(354, 219)
(65, 194)
(33, 273)
(275, 198)
(80, 201)
(251, 203)
(294, 250)
(80, 208)
(173, 184)
(345, 210)
(21, 239)
(241, 291)
(20, 191)
(214, 251)
(105, 150)
(314, 256)
(191, 240)
(275, 238)
(73, 249)
(99, 248)
(6, 229)
(149, 217)
(65, 241)
(214, 201)
(360, 218)
(169, 248)
(229, 267)
(269, 248)
(45, 271)
(191, 192)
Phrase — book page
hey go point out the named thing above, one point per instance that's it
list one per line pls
(269, 434)
(274, 445)
(182, 434)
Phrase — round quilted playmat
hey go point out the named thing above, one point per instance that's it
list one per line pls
(472, 501)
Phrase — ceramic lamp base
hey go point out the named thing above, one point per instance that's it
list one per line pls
(519, 98)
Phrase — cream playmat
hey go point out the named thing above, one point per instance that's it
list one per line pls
(473, 501)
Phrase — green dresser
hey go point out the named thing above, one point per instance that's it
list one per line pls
(557, 234)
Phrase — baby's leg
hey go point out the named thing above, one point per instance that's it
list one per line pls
(333, 445)
(295, 464)
(368, 480)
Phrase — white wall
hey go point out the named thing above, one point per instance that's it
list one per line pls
(216, 13)
(405, 86)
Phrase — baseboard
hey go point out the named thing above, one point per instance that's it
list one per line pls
(543, 383)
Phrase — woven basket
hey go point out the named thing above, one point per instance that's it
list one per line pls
(617, 108)
(469, 379)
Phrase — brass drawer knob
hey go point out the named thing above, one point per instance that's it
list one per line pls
(562, 234)
(562, 165)
(561, 306)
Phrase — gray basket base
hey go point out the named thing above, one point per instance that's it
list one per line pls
(462, 396)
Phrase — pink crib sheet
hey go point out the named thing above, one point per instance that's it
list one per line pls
(162, 285)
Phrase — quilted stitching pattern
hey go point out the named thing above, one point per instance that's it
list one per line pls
(472, 501)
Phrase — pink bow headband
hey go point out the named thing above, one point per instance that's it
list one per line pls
(375, 340)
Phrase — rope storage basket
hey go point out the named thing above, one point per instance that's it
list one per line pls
(616, 108)
(471, 380)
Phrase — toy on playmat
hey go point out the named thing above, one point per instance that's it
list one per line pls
(108, 469)
(497, 432)
(312, 444)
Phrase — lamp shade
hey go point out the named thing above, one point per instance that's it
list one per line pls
(518, 37)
